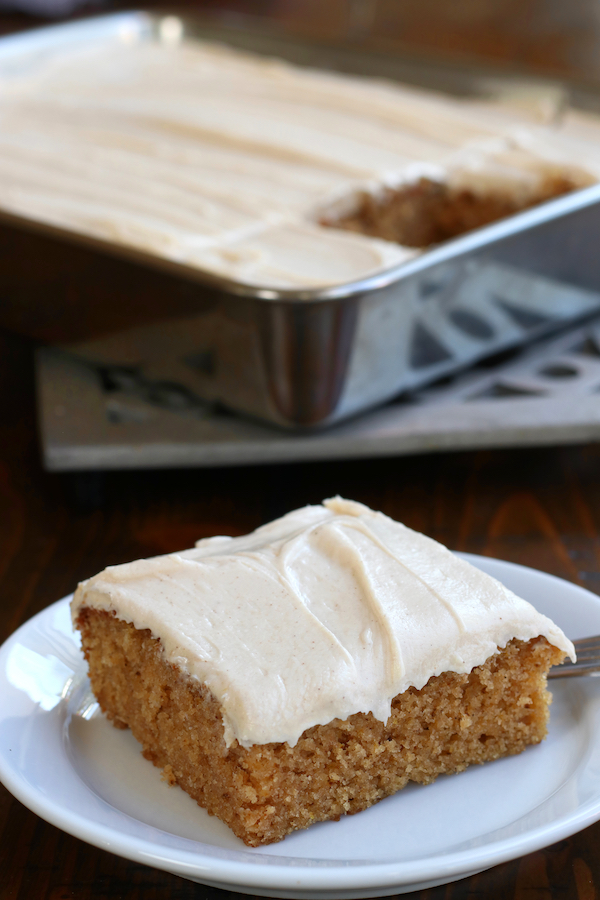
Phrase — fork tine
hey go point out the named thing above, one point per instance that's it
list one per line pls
(593, 641)
(570, 669)
(587, 653)
(588, 659)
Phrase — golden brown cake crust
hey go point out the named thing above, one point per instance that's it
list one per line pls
(269, 790)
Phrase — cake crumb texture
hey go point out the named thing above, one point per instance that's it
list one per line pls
(269, 790)
(427, 212)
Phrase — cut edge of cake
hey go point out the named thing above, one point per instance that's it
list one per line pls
(427, 212)
(267, 791)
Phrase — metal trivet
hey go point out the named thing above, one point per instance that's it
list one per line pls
(114, 418)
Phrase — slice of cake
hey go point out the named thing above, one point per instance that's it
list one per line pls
(314, 666)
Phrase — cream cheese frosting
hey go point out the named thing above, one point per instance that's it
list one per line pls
(224, 161)
(328, 611)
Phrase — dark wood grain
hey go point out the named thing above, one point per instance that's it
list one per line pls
(536, 507)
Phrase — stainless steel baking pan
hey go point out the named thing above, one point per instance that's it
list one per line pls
(296, 358)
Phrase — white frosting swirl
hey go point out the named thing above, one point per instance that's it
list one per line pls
(326, 612)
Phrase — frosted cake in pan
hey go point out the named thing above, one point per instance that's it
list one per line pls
(315, 666)
(238, 165)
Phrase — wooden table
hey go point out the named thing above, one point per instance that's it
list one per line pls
(536, 507)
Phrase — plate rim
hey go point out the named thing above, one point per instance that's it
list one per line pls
(280, 873)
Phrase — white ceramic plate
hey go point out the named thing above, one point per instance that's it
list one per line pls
(62, 759)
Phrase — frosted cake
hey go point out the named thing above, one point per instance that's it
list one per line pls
(237, 165)
(314, 666)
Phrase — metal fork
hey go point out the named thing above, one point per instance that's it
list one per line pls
(588, 659)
